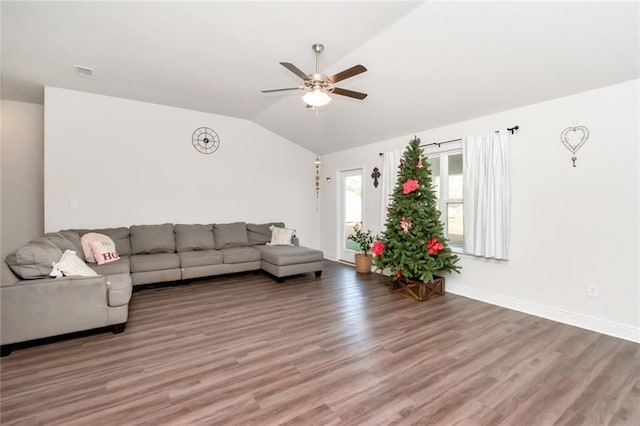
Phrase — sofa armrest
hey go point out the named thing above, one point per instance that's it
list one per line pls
(119, 289)
(34, 309)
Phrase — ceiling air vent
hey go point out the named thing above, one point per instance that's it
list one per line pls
(85, 72)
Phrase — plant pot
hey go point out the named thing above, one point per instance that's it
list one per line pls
(363, 263)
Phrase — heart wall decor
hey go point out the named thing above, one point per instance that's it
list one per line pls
(573, 138)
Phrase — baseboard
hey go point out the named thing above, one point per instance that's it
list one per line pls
(610, 328)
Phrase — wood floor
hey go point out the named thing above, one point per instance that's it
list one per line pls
(336, 350)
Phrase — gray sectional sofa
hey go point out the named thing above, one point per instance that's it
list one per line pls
(35, 306)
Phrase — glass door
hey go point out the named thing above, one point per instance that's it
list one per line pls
(351, 184)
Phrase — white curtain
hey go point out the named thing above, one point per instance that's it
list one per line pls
(487, 195)
(389, 177)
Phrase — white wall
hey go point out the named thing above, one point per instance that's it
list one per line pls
(22, 173)
(570, 226)
(127, 162)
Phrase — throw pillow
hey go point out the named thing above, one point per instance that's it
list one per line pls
(71, 265)
(281, 236)
(86, 241)
(33, 260)
(104, 251)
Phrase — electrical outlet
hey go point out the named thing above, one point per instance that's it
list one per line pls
(593, 290)
(73, 205)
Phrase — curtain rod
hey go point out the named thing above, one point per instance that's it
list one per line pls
(511, 130)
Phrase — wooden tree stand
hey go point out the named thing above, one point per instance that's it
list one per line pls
(417, 289)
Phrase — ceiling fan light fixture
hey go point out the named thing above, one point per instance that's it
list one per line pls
(316, 98)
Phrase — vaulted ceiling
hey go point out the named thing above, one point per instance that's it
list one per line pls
(429, 63)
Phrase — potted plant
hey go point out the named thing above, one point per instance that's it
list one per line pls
(364, 240)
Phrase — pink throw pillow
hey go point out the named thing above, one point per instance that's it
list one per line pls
(86, 241)
(104, 251)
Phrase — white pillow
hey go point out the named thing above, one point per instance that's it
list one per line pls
(104, 251)
(281, 236)
(70, 264)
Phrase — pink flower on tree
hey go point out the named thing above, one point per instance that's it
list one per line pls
(434, 246)
(377, 248)
(409, 186)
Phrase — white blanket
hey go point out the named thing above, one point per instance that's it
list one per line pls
(70, 264)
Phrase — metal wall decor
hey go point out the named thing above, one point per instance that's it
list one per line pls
(573, 138)
(317, 164)
(205, 140)
(375, 175)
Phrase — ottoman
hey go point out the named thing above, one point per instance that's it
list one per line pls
(284, 261)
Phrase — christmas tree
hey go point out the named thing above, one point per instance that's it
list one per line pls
(413, 245)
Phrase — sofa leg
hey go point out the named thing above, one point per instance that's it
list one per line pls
(280, 280)
(5, 350)
(118, 328)
(318, 274)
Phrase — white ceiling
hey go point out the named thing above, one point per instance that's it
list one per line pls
(430, 64)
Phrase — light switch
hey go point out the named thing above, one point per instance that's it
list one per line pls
(73, 205)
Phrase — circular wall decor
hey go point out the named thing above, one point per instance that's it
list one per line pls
(205, 140)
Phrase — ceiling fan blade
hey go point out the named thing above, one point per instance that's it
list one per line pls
(282, 90)
(349, 93)
(348, 73)
(297, 71)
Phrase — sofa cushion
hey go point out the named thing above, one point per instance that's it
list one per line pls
(194, 237)
(66, 240)
(240, 254)
(260, 233)
(154, 262)
(34, 260)
(287, 255)
(120, 266)
(230, 235)
(147, 239)
(190, 259)
(119, 235)
(74, 237)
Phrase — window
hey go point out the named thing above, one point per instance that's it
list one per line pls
(446, 171)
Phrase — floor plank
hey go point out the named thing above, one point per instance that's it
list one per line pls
(244, 349)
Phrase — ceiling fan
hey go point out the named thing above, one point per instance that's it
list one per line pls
(318, 85)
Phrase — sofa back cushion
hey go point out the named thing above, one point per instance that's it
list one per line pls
(230, 235)
(119, 235)
(260, 233)
(34, 260)
(147, 239)
(66, 240)
(194, 237)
